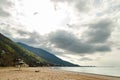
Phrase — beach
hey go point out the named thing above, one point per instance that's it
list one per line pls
(46, 73)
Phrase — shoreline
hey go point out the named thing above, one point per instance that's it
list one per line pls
(88, 73)
(93, 74)
(48, 73)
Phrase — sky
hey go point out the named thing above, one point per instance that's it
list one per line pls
(84, 32)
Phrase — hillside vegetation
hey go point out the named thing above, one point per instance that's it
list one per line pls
(10, 52)
(49, 57)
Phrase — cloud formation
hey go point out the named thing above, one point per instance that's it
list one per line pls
(33, 38)
(99, 31)
(61, 39)
(82, 5)
(21, 35)
(4, 13)
(79, 5)
(62, 0)
(86, 59)
(90, 27)
(4, 5)
(68, 41)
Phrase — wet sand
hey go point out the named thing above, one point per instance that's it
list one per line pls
(44, 73)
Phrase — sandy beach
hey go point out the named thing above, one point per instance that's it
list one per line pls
(44, 73)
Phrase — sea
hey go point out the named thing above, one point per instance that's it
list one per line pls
(109, 71)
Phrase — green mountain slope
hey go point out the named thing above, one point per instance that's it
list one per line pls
(10, 52)
(49, 57)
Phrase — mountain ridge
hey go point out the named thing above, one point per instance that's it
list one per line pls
(10, 51)
(49, 57)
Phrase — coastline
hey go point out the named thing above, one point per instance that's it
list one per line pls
(91, 73)
(47, 73)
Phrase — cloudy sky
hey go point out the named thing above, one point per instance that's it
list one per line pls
(84, 32)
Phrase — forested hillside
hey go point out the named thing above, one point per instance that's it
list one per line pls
(10, 52)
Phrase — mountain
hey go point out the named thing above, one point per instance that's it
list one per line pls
(49, 57)
(10, 52)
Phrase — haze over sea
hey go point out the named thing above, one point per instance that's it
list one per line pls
(109, 71)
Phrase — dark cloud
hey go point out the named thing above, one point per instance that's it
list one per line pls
(80, 5)
(99, 32)
(103, 48)
(4, 4)
(4, 13)
(32, 39)
(67, 41)
(86, 59)
(4, 28)
(62, 0)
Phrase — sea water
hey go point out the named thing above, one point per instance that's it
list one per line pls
(109, 71)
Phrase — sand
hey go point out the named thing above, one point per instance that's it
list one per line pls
(44, 73)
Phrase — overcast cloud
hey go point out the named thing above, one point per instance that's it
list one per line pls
(100, 31)
(68, 41)
(4, 5)
(70, 27)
